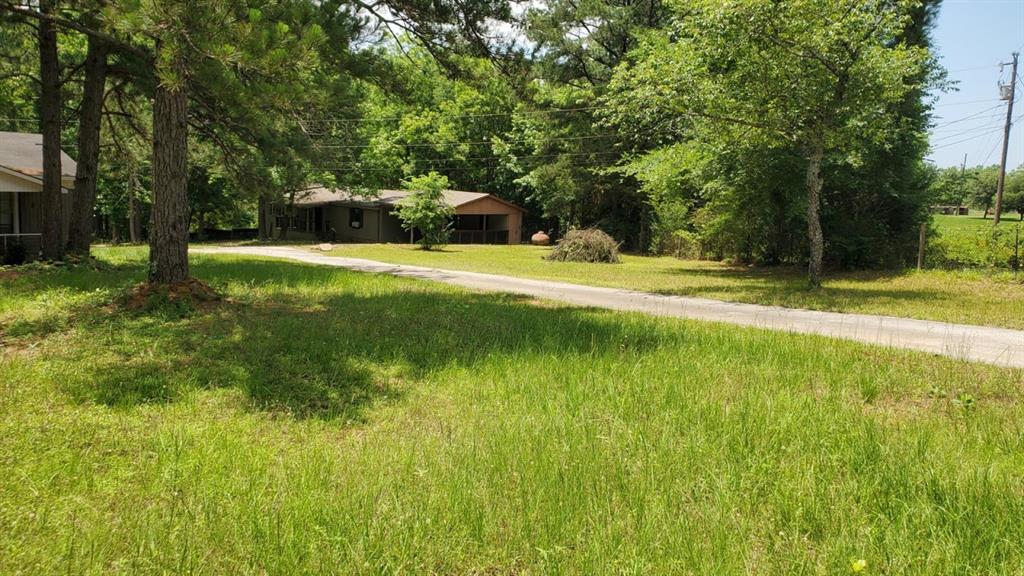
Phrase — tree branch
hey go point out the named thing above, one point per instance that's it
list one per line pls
(72, 25)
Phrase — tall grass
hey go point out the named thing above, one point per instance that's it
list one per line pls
(971, 242)
(323, 421)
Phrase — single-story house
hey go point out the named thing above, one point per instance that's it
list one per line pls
(341, 216)
(21, 185)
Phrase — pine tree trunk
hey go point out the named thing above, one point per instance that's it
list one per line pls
(84, 196)
(261, 218)
(168, 232)
(134, 216)
(269, 206)
(815, 237)
(49, 107)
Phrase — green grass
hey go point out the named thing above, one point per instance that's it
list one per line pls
(324, 421)
(975, 242)
(967, 297)
(973, 221)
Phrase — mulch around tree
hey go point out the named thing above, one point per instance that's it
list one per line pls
(192, 290)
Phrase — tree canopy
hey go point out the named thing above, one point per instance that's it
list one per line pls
(785, 132)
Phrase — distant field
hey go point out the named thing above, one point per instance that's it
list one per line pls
(968, 297)
(973, 221)
(321, 421)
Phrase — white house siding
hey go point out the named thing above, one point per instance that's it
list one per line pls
(13, 183)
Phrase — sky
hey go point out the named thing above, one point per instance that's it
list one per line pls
(972, 37)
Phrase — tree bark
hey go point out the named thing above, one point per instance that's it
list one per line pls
(261, 218)
(84, 196)
(168, 232)
(815, 236)
(49, 108)
(134, 215)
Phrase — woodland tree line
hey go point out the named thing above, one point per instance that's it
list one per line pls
(782, 132)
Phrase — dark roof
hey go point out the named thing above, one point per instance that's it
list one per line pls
(22, 152)
(323, 196)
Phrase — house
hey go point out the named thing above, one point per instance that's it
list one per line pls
(342, 216)
(21, 185)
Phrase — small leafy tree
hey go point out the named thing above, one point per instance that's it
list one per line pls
(426, 209)
(1014, 199)
(981, 187)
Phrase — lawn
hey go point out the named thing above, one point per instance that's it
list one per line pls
(325, 421)
(973, 221)
(967, 297)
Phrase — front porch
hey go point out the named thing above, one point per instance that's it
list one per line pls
(20, 222)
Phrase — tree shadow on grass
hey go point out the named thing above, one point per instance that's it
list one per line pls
(782, 274)
(788, 286)
(46, 291)
(329, 353)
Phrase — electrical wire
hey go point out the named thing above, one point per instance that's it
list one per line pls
(985, 143)
(976, 136)
(986, 67)
(335, 120)
(965, 102)
(975, 115)
(466, 142)
(475, 159)
(986, 129)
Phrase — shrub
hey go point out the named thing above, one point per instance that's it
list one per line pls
(15, 254)
(681, 244)
(591, 245)
(987, 248)
(427, 210)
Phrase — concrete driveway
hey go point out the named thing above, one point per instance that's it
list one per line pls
(998, 346)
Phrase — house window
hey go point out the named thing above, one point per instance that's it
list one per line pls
(355, 217)
(6, 212)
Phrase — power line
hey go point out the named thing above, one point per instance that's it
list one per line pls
(331, 120)
(478, 158)
(467, 142)
(984, 143)
(995, 117)
(986, 67)
(965, 102)
(976, 136)
(976, 114)
(355, 168)
(991, 126)
(990, 152)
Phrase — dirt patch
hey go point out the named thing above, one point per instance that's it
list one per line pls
(192, 291)
(9, 275)
(904, 407)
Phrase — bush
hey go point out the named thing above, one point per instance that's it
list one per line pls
(993, 248)
(591, 245)
(15, 254)
(681, 244)
(427, 210)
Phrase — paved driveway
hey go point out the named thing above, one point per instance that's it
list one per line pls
(998, 346)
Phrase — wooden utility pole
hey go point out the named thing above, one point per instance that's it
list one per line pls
(1006, 139)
